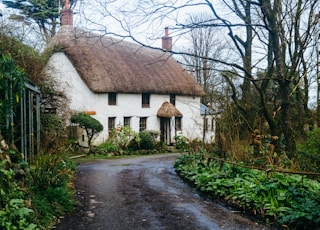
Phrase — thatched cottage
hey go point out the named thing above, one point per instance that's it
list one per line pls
(121, 83)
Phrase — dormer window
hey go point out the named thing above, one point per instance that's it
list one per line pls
(112, 98)
(145, 100)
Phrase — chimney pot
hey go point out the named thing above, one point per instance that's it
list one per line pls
(166, 31)
(66, 4)
(66, 15)
(166, 40)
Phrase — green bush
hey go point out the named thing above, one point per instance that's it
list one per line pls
(181, 142)
(146, 140)
(107, 148)
(91, 125)
(308, 153)
(122, 136)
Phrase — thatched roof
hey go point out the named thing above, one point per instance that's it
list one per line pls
(168, 110)
(110, 65)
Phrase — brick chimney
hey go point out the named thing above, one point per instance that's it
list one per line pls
(166, 40)
(66, 15)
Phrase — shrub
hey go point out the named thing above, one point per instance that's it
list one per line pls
(146, 140)
(14, 212)
(181, 142)
(107, 148)
(52, 132)
(88, 123)
(122, 136)
(308, 153)
(51, 190)
(52, 170)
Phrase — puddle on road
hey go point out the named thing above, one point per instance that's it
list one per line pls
(197, 212)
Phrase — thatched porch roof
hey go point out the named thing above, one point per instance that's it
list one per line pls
(168, 110)
(111, 65)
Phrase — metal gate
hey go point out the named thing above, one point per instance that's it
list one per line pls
(29, 122)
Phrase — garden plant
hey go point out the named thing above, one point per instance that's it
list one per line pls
(287, 200)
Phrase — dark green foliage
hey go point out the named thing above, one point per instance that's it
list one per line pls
(12, 82)
(14, 212)
(52, 171)
(291, 200)
(107, 149)
(15, 156)
(15, 215)
(146, 140)
(88, 123)
(52, 133)
(51, 189)
(308, 153)
(38, 10)
(47, 192)
(26, 57)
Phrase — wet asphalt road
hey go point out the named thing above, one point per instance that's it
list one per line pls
(144, 193)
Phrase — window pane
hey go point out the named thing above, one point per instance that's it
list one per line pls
(112, 98)
(111, 123)
(178, 123)
(143, 123)
(145, 100)
(126, 121)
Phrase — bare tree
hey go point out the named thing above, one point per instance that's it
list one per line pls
(204, 42)
(290, 27)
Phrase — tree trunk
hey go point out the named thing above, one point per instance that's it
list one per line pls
(286, 122)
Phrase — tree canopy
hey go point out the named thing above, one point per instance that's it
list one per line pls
(44, 13)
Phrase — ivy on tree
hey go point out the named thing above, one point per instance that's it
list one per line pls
(88, 123)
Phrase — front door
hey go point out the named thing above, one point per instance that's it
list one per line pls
(165, 136)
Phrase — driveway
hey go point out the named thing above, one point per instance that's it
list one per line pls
(144, 193)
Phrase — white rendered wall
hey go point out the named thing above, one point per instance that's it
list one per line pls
(128, 105)
(209, 134)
